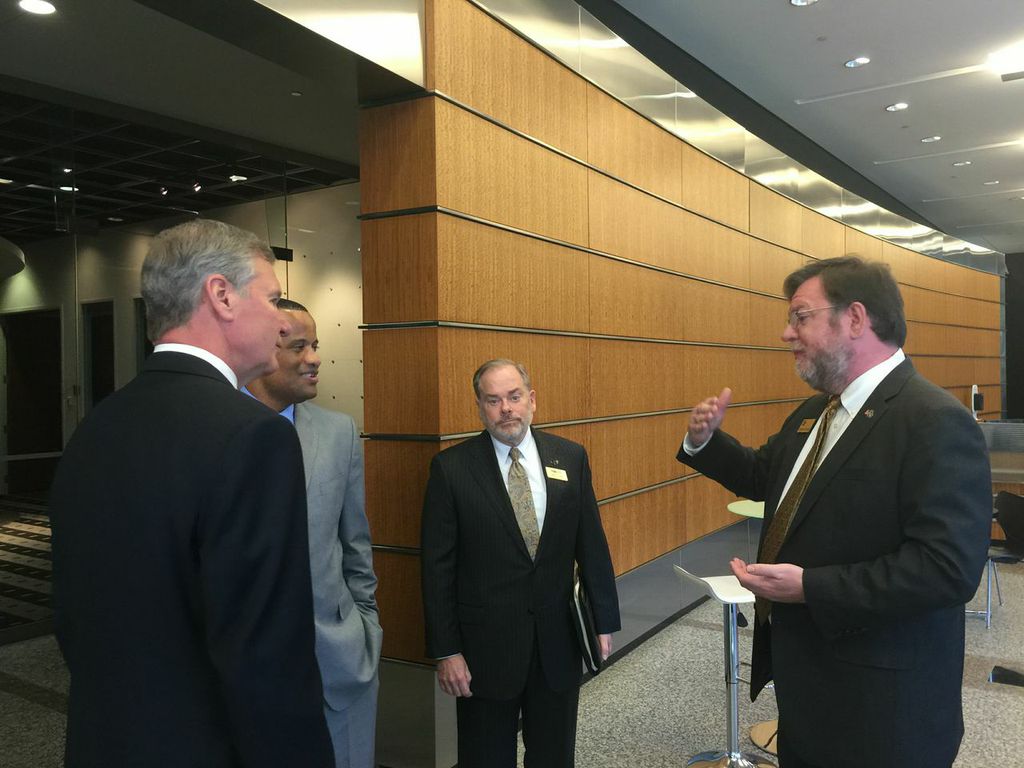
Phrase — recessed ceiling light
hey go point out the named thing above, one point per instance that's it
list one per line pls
(40, 7)
(114, 218)
(899, 106)
(802, 3)
(931, 139)
(67, 170)
(6, 181)
(296, 93)
(69, 189)
(163, 190)
(196, 186)
(961, 163)
(237, 177)
(990, 183)
(860, 61)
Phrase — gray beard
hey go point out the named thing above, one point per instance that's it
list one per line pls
(826, 371)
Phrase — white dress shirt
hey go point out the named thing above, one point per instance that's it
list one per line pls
(851, 400)
(202, 354)
(530, 459)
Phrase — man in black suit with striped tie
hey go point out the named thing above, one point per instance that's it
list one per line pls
(506, 515)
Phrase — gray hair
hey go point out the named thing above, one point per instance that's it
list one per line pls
(182, 257)
(500, 362)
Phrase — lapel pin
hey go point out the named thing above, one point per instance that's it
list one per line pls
(870, 412)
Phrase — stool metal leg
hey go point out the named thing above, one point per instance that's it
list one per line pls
(732, 757)
(990, 569)
(988, 594)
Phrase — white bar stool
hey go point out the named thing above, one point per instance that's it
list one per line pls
(727, 591)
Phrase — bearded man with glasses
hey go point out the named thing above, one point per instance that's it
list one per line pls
(878, 503)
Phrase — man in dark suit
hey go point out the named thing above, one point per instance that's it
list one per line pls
(874, 536)
(348, 633)
(506, 515)
(181, 569)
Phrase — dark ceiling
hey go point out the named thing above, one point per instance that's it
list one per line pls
(138, 95)
(66, 170)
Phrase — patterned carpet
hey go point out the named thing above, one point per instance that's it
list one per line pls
(25, 569)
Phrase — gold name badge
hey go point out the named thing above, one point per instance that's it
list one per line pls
(805, 426)
(556, 474)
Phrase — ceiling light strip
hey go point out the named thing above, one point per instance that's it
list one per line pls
(979, 148)
(899, 84)
(994, 193)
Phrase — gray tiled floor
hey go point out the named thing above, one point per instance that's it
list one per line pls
(654, 707)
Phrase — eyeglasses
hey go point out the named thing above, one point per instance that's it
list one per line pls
(797, 317)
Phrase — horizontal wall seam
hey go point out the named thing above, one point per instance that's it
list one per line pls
(572, 422)
(396, 550)
(553, 332)
(679, 206)
(562, 244)
(425, 209)
(398, 325)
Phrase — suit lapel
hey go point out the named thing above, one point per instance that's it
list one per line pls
(856, 431)
(309, 440)
(550, 456)
(487, 474)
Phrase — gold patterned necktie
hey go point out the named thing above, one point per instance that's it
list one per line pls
(779, 525)
(521, 496)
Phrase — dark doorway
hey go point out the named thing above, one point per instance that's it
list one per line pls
(98, 351)
(32, 374)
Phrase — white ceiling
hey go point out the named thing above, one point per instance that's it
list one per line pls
(928, 53)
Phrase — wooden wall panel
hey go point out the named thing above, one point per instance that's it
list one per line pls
(929, 339)
(626, 222)
(496, 277)
(397, 156)
(490, 68)
(770, 265)
(951, 372)
(820, 236)
(932, 307)
(396, 479)
(775, 218)
(671, 307)
(488, 172)
(678, 376)
(401, 605)
(401, 381)
(640, 528)
(720, 292)
(714, 189)
(631, 147)
(863, 245)
(400, 269)
(902, 262)
(627, 454)
(706, 509)
(558, 367)
(767, 321)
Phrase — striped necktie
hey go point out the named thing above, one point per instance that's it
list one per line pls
(779, 525)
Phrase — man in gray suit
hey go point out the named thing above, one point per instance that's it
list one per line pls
(348, 634)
